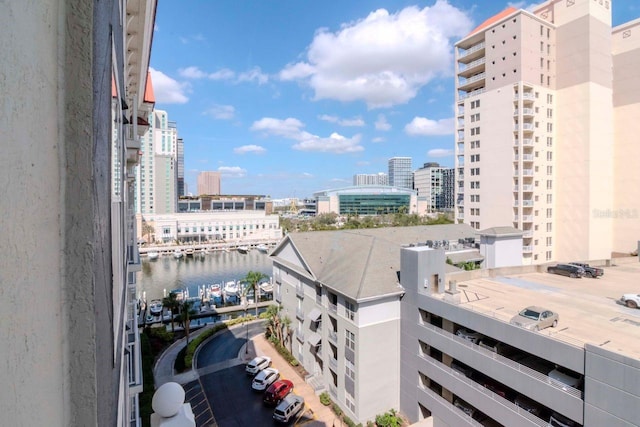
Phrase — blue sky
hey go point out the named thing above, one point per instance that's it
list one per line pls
(289, 97)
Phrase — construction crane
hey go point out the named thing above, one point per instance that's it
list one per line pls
(293, 207)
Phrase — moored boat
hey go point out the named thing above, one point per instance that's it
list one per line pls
(153, 255)
(177, 254)
(155, 308)
(243, 249)
(262, 248)
(189, 251)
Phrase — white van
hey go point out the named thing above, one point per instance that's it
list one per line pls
(565, 378)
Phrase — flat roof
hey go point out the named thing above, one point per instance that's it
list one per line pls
(588, 308)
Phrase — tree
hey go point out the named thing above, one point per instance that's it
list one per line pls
(171, 303)
(274, 323)
(147, 229)
(186, 311)
(252, 279)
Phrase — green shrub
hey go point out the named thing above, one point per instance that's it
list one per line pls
(325, 399)
(389, 419)
(336, 408)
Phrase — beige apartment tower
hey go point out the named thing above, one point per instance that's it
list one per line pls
(209, 183)
(544, 128)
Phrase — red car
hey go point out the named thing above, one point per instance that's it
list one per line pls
(277, 391)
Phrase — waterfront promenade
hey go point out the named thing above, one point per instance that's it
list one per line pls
(167, 249)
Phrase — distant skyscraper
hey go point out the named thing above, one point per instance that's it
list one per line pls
(209, 183)
(157, 172)
(436, 184)
(380, 178)
(180, 164)
(400, 172)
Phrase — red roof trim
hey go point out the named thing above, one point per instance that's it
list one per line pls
(149, 96)
(495, 18)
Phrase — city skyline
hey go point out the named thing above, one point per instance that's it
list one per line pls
(289, 99)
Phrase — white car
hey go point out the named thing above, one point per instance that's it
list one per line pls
(468, 335)
(264, 379)
(257, 364)
(631, 300)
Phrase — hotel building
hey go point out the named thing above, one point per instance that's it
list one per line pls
(209, 183)
(400, 172)
(545, 102)
(436, 184)
(70, 345)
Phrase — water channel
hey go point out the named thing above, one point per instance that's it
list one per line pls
(161, 276)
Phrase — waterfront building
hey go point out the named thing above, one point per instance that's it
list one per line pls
(380, 178)
(400, 172)
(209, 226)
(465, 363)
(157, 174)
(209, 183)
(79, 70)
(546, 106)
(435, 183)
(341, 291)
(369, 200)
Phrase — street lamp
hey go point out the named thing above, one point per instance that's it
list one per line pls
(245, 305)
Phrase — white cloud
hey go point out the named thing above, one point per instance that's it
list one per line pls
(291, 128)
(384, 58)
(192, 73)
(166, 89)
(382, 124)
(378, 139)
(221, 112)
(223, 74)
(354, 122)
(232, 172)
(256, 149)
(424, 126)
(307, 175)
(253, 75)
(440, 152)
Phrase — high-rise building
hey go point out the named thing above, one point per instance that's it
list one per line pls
(434, 182)
(81, 71)
(180, 171)
(209, 183)
(157, 173)
(400, 172)
(545, 111)
(380, 178)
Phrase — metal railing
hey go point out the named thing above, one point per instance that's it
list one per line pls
(462, 66)
(333, 363)
(464, 81)
(472, 49)
(446, 403)
(333, 336)
(332, 307)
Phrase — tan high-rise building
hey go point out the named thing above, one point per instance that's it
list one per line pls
(545, 123)
(209, 183)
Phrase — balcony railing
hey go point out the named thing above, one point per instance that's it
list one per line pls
(527, 218)
(300, 336)
(472, 49)
(333, 363)
(465, 81)
(446, 404)
(462, 66)
(332, 307)
(333, 337)
(472, 93)
(333, 391)
(319, 299)
(527, 172)
(527, 249)
(527, 188)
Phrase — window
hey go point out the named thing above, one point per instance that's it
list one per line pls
(350, 369)
(349, 309)
(549, 170)
(549, 155)
(549, 185)
(548, 255)
(350, 339)
(349, 400)
(549, 227)
(549, 198)
(549, 241)
(549, 212)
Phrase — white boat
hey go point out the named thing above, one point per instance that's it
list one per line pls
(216, 290)
(155, 308)
(153, 255)
(231, 288)
(262, 248)
(189, 251)
(243, 249)
(205, 251)
(266, 287)
(177, 254)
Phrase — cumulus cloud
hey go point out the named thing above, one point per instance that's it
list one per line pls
(195, 73)
(221, 112)
(354, 122)
(424, 126)
(440, 152)
(223, 74)
(384, 58)
(378, 139)
(232, 172)
(166, 89)
(255, 149)
(382, 124)
(253, 75)
(292, 129)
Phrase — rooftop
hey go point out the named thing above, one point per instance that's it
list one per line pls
(588, 308)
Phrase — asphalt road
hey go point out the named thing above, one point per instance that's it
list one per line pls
(233, 402)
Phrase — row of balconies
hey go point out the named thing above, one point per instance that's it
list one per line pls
(469, 53)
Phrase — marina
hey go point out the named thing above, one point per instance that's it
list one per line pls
(212, 281)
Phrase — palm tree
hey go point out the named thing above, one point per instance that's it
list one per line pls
(147, 229)
(274, 323)
(186, 311)
(252, 279)
(171, 303)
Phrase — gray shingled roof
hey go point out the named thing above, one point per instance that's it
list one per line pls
(364, 263)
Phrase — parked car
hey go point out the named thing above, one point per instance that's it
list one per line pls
(537, 364)
(288, 408)
(277, 391)
(566, 270)
(558, 420)
(264, 379)
(631, 300)
(462, 369)
(468, 335)
(468, 409)
(565, 378)
(499, 389)
(257, 365)
(535, 318)
(497, 347)
(593, 272)
(529, 405)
